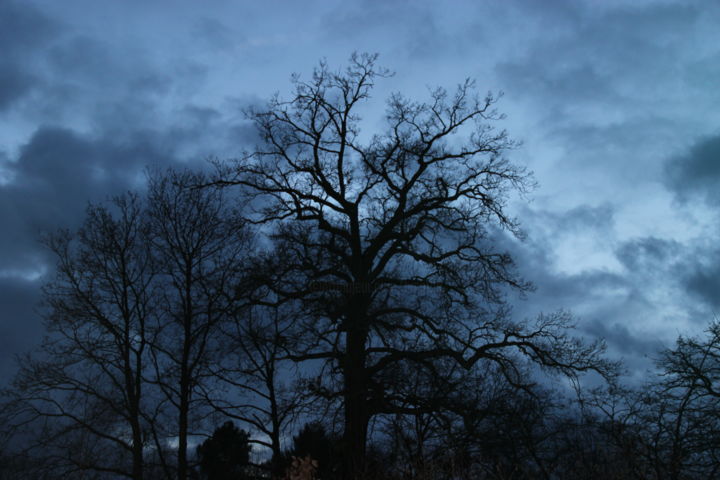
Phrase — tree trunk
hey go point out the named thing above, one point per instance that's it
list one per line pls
(133, 392)
(137, 437)
(185, 374)
(183, 410)
(184, 407)
(276, 460)
(137, 455)
(356, 412)
(182, 434)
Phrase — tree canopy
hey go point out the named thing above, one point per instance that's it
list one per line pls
(389, 241)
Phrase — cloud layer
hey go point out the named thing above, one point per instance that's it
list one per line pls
(617, 105)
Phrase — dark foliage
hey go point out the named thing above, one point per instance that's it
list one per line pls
(226, 454)
(313, 441)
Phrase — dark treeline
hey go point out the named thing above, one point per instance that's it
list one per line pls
(334, 306)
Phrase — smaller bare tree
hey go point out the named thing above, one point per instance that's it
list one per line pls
(261, 381)
(682, 419)
(83, 392)
(198, 245)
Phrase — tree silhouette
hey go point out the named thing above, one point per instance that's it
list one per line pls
(226, 454)
(252, 364)
(83, 393)
(680, 412)
(387, 240)
(199, 245)
(133, 316)
(668, 427)
(313, 441)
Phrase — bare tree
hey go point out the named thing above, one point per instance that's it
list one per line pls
(198, 245)
(133, 321)
(261, 381)
(668, 427)
(681, 419)
(83, 393)
(388, 240)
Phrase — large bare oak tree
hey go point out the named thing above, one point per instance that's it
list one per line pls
(387, 240)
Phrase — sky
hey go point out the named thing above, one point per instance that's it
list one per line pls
(616, 104)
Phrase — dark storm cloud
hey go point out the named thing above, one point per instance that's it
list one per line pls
(697, 172)
(617, 302)
(699, 275)
(23, 29)
(689, 274)
(647, 253)
(23, 26)
(102, 112)
(616, 89)
(57, 172)
(214, 33)
(606, 92)
(581, 218)
(695, 176)
(601, 57)
(536, 257)
(603, 303)
(13, 85)
(83, 62)
(704, 283)
(608, 84)
(20, 326)
(413, 27)
(621, 339)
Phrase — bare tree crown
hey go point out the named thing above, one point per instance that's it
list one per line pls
(427, 190)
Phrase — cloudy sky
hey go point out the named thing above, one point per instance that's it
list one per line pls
(616, 102)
